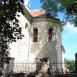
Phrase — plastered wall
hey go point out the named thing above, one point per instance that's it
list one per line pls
(43, 47)
(19, 49)
(25, 50)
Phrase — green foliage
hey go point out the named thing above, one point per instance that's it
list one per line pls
(8, 13)
(68, 7)
(70, 64)
(50, 6)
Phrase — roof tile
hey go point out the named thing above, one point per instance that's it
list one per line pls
(38, 13)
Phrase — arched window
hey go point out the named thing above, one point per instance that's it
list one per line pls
(35, 35)
(50, 34)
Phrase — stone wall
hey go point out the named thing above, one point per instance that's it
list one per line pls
(43, 47)
(19, 49)
(25, 50)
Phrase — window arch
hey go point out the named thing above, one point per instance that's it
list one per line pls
(50, 34)
(35, 35)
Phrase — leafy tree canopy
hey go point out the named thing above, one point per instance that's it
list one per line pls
(68, 7)
(8, 33)
(70, 64)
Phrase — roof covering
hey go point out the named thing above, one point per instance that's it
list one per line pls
(38, 13)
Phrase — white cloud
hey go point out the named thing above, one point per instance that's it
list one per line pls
(69, 55)
(70, 27)
(69, 36)
(67, 50)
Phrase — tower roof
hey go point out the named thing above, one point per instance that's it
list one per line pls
(39, 13)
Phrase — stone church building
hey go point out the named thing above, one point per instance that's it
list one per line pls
(42, 38)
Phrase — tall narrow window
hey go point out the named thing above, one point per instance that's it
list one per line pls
(50, 34)
(35, 36)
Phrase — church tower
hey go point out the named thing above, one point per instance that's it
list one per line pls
(27, 4)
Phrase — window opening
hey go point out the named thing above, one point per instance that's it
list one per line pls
(35, 36)
(50, 34)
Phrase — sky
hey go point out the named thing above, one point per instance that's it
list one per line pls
(69, 33)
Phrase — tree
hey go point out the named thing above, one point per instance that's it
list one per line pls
(68, 7)
(8, 11)
(70, 64)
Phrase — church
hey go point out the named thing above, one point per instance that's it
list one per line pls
(42, 38)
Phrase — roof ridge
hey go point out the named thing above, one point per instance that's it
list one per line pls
(36, 9)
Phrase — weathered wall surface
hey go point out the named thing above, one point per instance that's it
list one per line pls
(19, 49)
(25, 50)
(45, 48)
